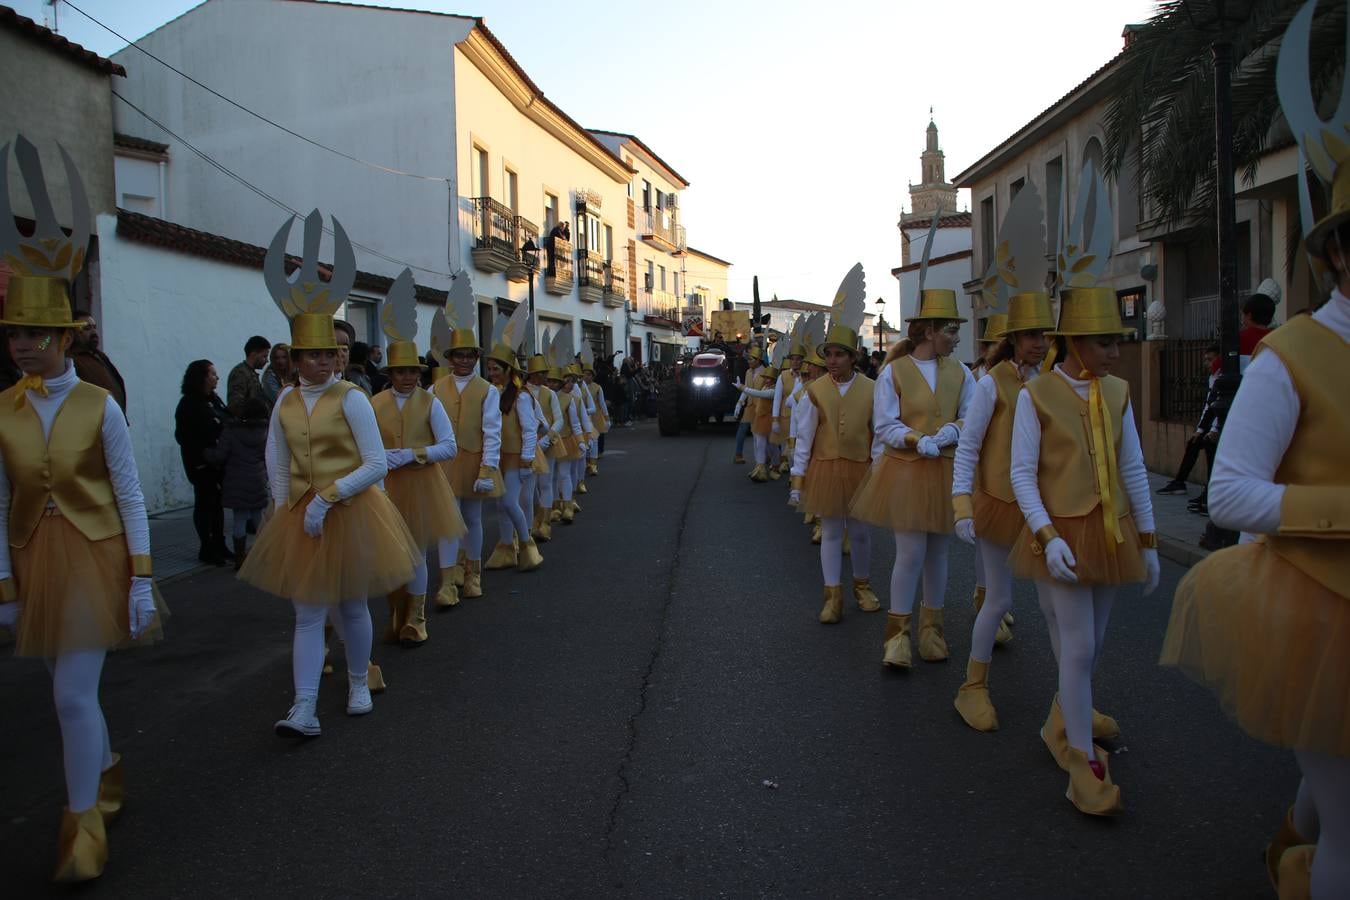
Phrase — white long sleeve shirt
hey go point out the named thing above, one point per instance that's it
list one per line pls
(441, 429)
(890, 431)
(117, 456)
(1260, 424)
(808, 419)
(529, 425)
(492, 421)
(555, 408)
(583, 408)
(360, 417)
(975, 425)
(779, 398)
(1026, 455)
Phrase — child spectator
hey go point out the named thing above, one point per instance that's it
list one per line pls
(240, 452)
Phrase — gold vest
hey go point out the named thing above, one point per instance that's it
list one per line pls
(1314, 519)
(790, 381)
(511, 437)
(995, 465)
(844, 430)
(545, 398)
(465, 410)
(322, 446)
(763, 405)
(920, 408)
(600, 422)
(1066, 475)
(408, 428)
(67, 468)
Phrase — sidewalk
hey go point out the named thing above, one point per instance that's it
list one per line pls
(1179, 531)
(173, 544)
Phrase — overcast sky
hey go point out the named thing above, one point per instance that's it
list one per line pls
(799, 125)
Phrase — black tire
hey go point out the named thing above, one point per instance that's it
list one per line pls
(668, 410)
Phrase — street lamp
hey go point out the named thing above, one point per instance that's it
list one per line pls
(529, 254)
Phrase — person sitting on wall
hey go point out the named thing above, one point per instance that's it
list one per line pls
(1206, 436)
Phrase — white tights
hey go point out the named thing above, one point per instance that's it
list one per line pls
(545, 491)
(919, 554)
(509, 517)
(762, 452)
(529, 484)
(578, 470)
(1077, 616)
(351, 622)
(418, 585)
(562, 479)
(991, 570)
(832, 549)
(1324, 797)
(84, 733)
(448, 551)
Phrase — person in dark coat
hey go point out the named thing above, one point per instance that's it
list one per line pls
(241, 455)
(199, 419)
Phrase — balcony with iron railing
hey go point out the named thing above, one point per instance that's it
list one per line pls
(559, 274)
(590, 276)
(616, 286)
(525, 231)
(659, 308)
(660, 230)
(495, 246)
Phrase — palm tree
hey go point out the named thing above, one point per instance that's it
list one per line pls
(1162, 105)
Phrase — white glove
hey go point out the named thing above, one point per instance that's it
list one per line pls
(776, 426)
(928, 447)
(140, 606)
(794, 497)
(1059, 559)
(314, 516)
(965, 530)
(545, 442)
(582, 446)
(483, 486)
(397, 459)
(948, 435)
(1153, 569)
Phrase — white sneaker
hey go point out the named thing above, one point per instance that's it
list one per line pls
(300, 721)
(358, 695)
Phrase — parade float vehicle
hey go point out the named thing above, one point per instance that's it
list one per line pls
(703, 387)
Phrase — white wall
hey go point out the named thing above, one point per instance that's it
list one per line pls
(160, 311)
(947, 240)
(952, 276)
(138, 185)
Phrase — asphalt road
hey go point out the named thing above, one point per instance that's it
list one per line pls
(655, 712)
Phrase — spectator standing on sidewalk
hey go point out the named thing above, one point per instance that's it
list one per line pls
(240, 455)
(278, 373)
(199, 420)
(1257, 313)
(243, 384)
(1205, 438)
(92, 364)
(356, 368)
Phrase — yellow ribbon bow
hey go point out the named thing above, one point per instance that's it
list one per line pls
(27, 383)
(1103, 441)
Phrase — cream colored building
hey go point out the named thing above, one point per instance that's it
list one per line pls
(705, 277)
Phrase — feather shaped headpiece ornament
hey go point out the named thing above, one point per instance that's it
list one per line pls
(934, 303)
(461, 317)
(306, 299)
(847, 311)
(398, 320)
(1018, 270)
(508, 336)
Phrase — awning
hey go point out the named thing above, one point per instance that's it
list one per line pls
(667, 339)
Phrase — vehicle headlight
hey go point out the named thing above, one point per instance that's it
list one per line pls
(704, 381)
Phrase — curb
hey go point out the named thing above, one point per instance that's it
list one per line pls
(1180, 552)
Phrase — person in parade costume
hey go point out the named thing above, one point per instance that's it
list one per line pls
(834, 442)
(920, 399)
(742, 411)
(1265, 624)
(520, 437)
(785, 384)
(989, 345)
(334, 538)
(550, 443)
(572, 446)
(813, 368)
(986, 511)
(417, 436)
(1078, 474)
(600, 416)
(76, 576)
(582, 402)
(760, 410)
(474, 407)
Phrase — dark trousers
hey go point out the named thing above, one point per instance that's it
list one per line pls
(1193, 449)
(208, 516)
(600, 445)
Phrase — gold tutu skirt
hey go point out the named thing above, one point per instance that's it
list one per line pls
(509, 461)
(365, 550)
(462, 472)
(74, 593)
(906, 495)
(569, 447)
(784, 426)
(762, 424)
(540, 466)
(1086, 537)
(1272, 643)
(422, 495)
(828, 486)
(997, 521)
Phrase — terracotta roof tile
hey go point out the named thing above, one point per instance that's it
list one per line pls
(10, 19)
(955, 220)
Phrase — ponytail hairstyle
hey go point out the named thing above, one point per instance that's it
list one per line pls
(916, 334)
(510, 392)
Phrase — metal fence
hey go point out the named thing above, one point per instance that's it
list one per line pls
(494, 225)
(1185, 379)
(1200, 316)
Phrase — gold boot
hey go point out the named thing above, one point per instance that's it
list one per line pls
(82, 847)
(576, 507)
(1295, 873)
(815, 534)
(542, 532)
(1004, 634)
(866, 597)
(592, 468)
(1092, 795)
(775, 473)
(759, 473)
(785, 466)
(932, 643)
(1103, 726)
(473, 579)
(530, 558)
(503, 557)
(375, 679)
(448, 595)
(568, 514)
(1285, 838)
(898, 653)
(972, 700)
(397, 601)
(112, 790)
(581, 488)
(555, 514)
(412, 631)
(1056, 737)
(833, 610)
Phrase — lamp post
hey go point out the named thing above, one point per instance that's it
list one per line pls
(529, 254)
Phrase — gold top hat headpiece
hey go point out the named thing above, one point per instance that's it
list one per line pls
(1323, 145)
(508, 336)
(398, 320)
(934, 303)
(45, 262)
(846, 313)
(1085, 308)
(308, 302)
(539, 362)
